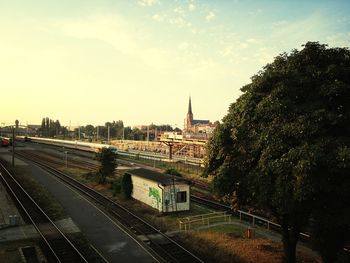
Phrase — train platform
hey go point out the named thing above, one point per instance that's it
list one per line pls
(7, 208)
(23, 232)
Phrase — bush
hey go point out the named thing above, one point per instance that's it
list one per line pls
(116, 186)
(127, 186)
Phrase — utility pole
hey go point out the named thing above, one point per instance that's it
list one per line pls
(108, 134)
(13, 142)
(13, 146)
(147, 133)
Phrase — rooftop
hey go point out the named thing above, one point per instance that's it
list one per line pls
(164, 179)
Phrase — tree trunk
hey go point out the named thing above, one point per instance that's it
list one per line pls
(289, 239)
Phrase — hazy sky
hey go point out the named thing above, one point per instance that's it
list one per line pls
(92, 61)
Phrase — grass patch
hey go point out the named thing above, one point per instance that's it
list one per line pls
(230, 229)
(222, 247)
(74, 172)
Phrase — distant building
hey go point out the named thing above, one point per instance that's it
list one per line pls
(197, 126)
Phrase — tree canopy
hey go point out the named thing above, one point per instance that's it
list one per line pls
(284, 146)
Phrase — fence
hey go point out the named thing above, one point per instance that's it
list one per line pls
(189, 222)
(260, 221)
(160, 163)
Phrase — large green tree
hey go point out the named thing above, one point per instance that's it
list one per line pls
(284, 146)
(108, 161)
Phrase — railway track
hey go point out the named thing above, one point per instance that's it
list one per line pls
(58, 246)
(167, 248)
(59, 162)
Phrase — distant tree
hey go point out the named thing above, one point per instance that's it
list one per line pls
(165, 127)
(127, 185)
(118, 127)
(138, 134)
(47, 126)
(43, 128)
(102, 132)
(89, 130)
(128, 133)
(108, 161)
(51, 128)
(284, 146)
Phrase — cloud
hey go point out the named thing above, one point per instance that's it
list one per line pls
(263, 56)
(252, 41)
(179, 21)
(158, 17)
(148, 2)
(183, 45)
(116, 31)
(210, 16)
(227, 51)
(191, 7)
(179, 11)
(339, 39)
(177, 16)
(255, 12)
(111, 29)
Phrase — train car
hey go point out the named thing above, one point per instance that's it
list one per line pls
(22, 138)
(84, 146)
(5, 141)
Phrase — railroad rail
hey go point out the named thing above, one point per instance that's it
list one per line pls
(162, 244)
(59, 247)
(57, 160)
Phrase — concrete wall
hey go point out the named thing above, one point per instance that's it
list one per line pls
(148, 192)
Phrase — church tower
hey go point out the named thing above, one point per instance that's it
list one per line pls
(189, 117)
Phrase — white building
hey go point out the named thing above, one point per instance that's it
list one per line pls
(166, 193)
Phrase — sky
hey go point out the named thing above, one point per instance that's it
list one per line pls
(92, 61)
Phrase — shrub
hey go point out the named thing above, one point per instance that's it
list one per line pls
(116, 186)
(126, 185)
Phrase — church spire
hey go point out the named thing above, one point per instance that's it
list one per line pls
(189, 107)
(189, 117)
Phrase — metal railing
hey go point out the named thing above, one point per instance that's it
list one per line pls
(186, 223)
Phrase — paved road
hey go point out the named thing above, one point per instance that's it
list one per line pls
(108, 238)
